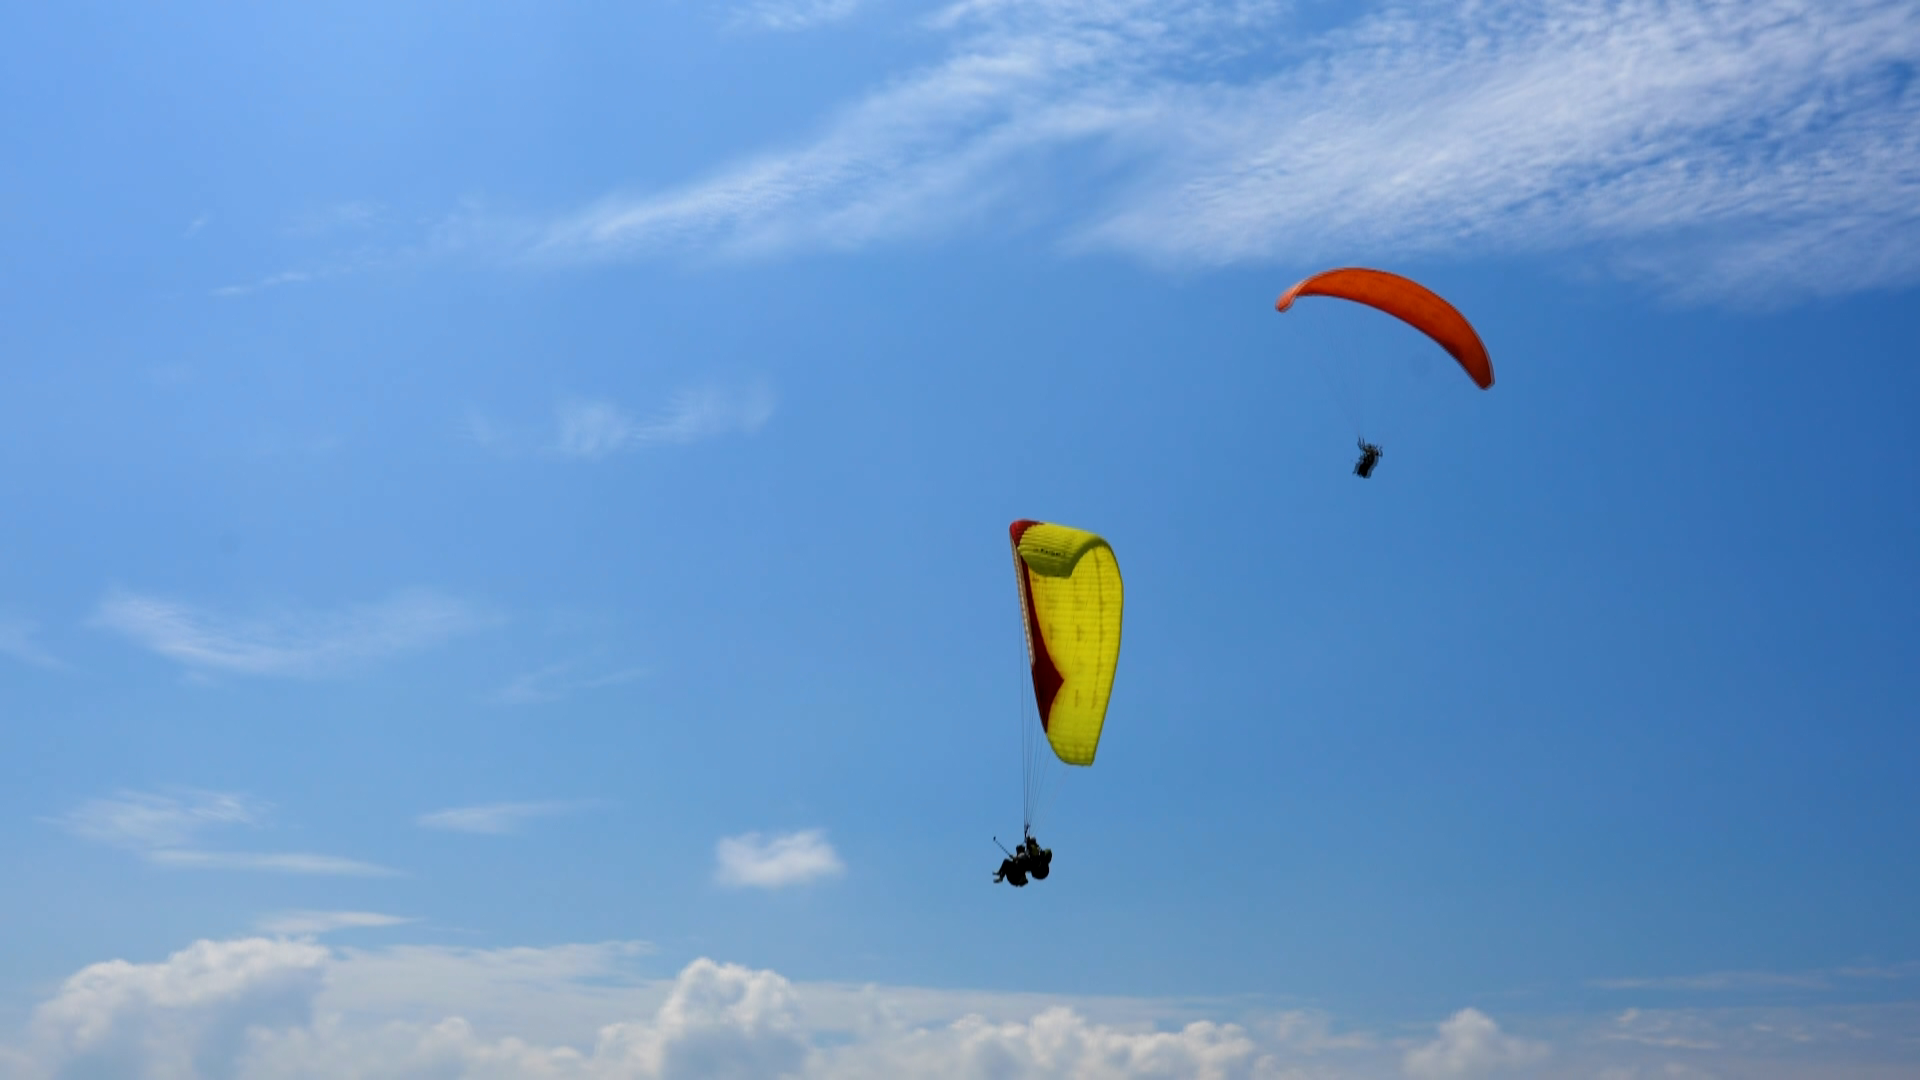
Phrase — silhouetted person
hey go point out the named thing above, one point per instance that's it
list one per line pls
(1039, 859)
(1012, 870)
(1369, 457)
(1028, 858)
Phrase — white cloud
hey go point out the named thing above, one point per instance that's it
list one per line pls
(191, 1016)
(145, 820)
(313, 923)
(271, 281)
(283, 862)
(162, 828)
(776, 861)
(598, 428)
(793, 14)
(1730, 147)
(479, 429)
(17, 641)
(289, 644)
(193, 227)
(1471, 1045)
(281, 1009)
(342, 216)
(1311, 1033)
(1757, 981)
(557, 681)
(494, 818)
(1722, 980)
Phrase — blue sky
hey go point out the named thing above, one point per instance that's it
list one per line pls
(503, 569)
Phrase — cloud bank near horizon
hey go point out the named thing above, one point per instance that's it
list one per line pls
(272, 1008)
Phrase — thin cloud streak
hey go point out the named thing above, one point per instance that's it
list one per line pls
(1748, 981)
(17, 641)
(297, 645)
(495, 819)
(271, 281)
(134, 819)
(594, 429)
(557, 681)
(349, 215)
(1726, 146)
(315, 923)
(304, 863)
(168, 830)
(791, 15)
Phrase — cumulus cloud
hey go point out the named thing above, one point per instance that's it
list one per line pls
(1471, 1044)
(494, 818)
(167, 830)
(314, 923)
(289, 644)
(591, 429)
(722, 1020)
(281, 1009)
(261, 1008)
(1060, 1042)
(190, 1016)
(1731, 147)
(777, 861)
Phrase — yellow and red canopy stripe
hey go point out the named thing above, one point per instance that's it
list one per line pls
(1070, 595)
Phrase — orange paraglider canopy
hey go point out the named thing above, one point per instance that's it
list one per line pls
(1408, 301)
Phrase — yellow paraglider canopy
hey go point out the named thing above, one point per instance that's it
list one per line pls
(1070, 595)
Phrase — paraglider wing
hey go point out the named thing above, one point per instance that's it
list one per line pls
(1408, 301)
(1070, 595)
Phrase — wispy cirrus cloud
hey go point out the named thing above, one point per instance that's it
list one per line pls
(497, 819)
(170, 830)
(1752, 981)
(596, 428)
(1722, 981)
(289, 644)
(19, 641)
(1729, 147)
(147, 820)
(275, 862)
(271, 281)
(350, 214)
(789, 15)
(315, 923)
(561, 680)
(1669, 1030)
(773, 862)
(589, 428)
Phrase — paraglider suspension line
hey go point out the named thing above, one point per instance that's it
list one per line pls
(1036, 760)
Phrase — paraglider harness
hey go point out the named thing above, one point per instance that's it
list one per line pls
(1369, 457)
(1027, 858)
